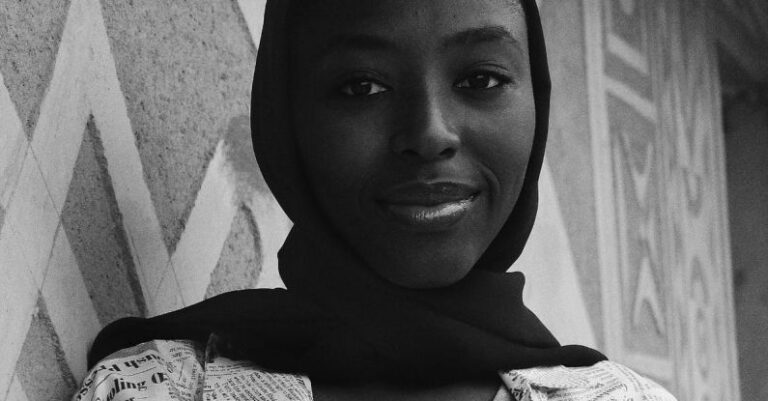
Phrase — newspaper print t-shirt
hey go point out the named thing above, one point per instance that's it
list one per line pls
(187, 371)
(180, 371)
(604, 380)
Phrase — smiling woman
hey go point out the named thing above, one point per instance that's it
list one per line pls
(416, 135)
(404, 139)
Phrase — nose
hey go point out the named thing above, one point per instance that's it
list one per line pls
(425, 132)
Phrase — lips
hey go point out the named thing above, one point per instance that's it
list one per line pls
(428, 206)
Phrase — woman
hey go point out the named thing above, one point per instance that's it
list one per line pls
(404, 139)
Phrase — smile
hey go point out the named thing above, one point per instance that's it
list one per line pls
(428, 207)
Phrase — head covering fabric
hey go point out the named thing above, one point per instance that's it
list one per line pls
(340, 321)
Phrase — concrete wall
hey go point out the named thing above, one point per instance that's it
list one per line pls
(638, 177)
(128, 186)
(127, 181)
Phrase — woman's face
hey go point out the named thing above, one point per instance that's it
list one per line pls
(415, 120)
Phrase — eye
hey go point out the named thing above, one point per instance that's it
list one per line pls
(482, 80)
(362, 87)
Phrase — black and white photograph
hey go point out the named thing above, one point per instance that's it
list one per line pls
(418, 200)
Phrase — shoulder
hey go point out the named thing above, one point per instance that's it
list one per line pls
(142, 372)
(163, 370)
(604, 380)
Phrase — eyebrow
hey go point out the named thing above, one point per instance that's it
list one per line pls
(356, 41)
(475, 36)
(367, 42)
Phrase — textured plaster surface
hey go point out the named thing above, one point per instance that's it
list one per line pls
(240, 261)
(42, 368)
(569, 147)
(241, 159)
(93, 225)
(185, 69)
(30, 32)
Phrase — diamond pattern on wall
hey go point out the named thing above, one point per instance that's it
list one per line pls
(42, 368)
(240, 261)
(93, 225)
(79, 224)
(30, 32)
(187, 69)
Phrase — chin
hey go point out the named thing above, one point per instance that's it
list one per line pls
(430, 273)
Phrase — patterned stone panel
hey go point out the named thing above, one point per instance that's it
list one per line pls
(186, 70)
(93, 225)
(638, 200)
(42, 368)
(13, 146)
(627, 20)
(689, 100)
(240, 261)
(241, 159)
(80, 235)
(569, 148)
(626, 40)
(660, 195)
(629, 76)
(30, 32)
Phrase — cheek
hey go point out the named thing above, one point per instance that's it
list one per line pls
(505, 149)
(341, 154)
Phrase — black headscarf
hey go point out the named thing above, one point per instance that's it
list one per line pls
(338, 320)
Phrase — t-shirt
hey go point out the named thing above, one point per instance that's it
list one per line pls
(183, 370)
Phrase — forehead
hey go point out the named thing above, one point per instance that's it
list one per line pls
(403, 21)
